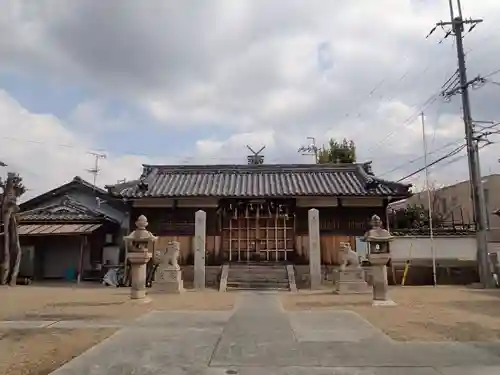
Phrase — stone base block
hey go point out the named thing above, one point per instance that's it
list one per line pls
(350, 274)
(141, 301)
(138, 294)
(353, 287)
(381, 303)
(351, 281)
(168, 281)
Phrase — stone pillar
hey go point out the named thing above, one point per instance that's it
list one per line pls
(314, 249)
(138, 263)
(200, 231)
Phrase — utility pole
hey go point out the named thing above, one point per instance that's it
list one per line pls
(95, 170)
(310, 149)
(429, 202)
(457, 29)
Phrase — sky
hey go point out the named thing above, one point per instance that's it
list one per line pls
(192, 82)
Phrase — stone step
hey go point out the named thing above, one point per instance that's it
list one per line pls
(256, 274)
(258, 279)
(261, 269)
(250, 276)
(258, 270)
(256, 285)
(258, 265)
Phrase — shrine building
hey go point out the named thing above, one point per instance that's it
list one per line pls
(259, 212)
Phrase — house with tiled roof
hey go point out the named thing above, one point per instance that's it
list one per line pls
(259, 212)
(70, 232)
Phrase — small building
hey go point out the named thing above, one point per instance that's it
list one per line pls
(453, 204)
(259, 212)
(70, 232)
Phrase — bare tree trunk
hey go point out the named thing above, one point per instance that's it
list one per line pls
(15, 251)
(6, 249)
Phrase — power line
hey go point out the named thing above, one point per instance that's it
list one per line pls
(420, 157)
(493, 82)
(492, 73)
(450, 154)
(455, 159)
(401, 79)
(408, 120)
(86, 150)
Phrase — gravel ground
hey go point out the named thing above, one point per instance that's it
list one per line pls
(423, 313)
(95, 302)
(41, 351)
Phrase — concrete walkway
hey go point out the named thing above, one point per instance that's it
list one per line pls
(258, 337)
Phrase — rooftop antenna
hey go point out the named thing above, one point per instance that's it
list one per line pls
(95, 171)
(311, 149)
(255, 158)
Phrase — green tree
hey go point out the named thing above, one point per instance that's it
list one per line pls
(337, 152)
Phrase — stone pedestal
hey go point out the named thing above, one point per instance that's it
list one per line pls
(138, 263)
(168, 280)
(351, 281)
(314, 249)
(380, 283)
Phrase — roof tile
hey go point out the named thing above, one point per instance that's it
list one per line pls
(258, 181)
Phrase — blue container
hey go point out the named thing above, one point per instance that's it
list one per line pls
(70, 274)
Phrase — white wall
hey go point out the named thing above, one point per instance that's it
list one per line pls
(419, 248)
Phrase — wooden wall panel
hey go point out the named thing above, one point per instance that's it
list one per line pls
(187, 247)
(330, 247)
(174, 221)
(302, 247)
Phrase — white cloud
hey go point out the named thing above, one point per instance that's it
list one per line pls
(46, 153)
(260, 71)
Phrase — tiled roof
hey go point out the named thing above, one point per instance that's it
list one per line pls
(259, 181)
(68, 210)
(56, 229)
(76, 183)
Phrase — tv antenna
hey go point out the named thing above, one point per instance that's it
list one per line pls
(310, 150)
(255, 158)
(95, 170)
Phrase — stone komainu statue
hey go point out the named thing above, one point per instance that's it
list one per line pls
(349, 257)
(171, 256)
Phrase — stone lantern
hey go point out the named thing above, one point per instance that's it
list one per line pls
(140, 247)
(379, 254)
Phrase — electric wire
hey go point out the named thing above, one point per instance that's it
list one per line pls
(448, 155)
(420, 157)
